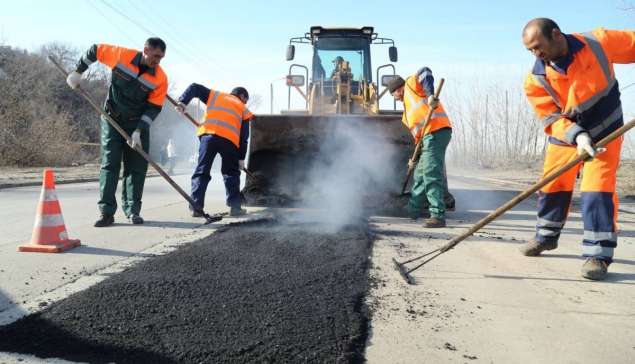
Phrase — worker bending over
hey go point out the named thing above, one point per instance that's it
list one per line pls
(417, 95)
(224, 131)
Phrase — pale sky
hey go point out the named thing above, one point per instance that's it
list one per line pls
(224, 44)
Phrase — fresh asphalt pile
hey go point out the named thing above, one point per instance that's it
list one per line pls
(268, 291)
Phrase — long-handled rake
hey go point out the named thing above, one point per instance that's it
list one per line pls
(405, 272)
(208, 218)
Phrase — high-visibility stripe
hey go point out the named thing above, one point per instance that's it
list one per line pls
(48, 220)
(86, 61)
(421, 123)
(223, 124)
(615, 116)
(224, 109)
(597, 250)
(596, 47)
(147, 119)
(542, 80)
(147, 83)
(423, 75)
(546, 232)
(48, 195)
(600, 236)
(126, 69)
(572, 132)
(551, 118)
(550, 224)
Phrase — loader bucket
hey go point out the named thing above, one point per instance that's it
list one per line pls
(334, 161)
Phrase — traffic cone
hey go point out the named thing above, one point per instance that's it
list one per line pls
(49, 231)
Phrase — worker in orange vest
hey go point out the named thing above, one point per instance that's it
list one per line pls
(573, 90)
(417, 95)
(224, 131)
(135, 97)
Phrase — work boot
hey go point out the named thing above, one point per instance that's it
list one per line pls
(195, 213)
(237, 211)
(104, 220)
(595, 269)
(135, 219)
(403, 212)
(532, 248)
(450, 203)
(433, 222)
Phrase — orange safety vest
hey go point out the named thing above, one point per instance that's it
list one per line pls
(130, 90)
(224, 116)
(415, 102)
(587, 97)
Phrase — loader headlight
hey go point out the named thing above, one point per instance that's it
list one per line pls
(295, 80)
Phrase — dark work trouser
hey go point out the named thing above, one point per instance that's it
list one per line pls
(210, 146)
(428, 175)
(113, 148)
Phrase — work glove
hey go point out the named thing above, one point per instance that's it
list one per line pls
(411, 163)
(241, 164)
(585, 144)
(181, 108)
(432, 102)
(74, 79)
(136, 140)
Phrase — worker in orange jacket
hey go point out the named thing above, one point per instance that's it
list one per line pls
(224, 130)
(417, 95)
(573, 90)
(135, 97)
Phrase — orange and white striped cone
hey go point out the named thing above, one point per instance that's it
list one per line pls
(49, 231)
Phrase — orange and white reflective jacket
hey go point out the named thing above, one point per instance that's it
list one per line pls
(415, 102)
(580, 93)
(131, 97)
(224, 116)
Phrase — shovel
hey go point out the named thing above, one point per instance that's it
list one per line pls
(208, 218)
(197, 125)
(417, 152)
(405, 272)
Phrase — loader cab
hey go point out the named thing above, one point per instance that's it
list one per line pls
(353, 45)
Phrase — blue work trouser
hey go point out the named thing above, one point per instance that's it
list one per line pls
(210, 146)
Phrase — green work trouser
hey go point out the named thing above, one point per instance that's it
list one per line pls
(428, 175)
(113, 147)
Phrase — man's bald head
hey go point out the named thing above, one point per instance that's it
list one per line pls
(545, 26)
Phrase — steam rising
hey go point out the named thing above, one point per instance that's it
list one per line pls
(356, 158)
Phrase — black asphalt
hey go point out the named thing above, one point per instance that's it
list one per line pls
(266, 291)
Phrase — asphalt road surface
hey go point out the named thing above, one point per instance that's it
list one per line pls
(480, 302)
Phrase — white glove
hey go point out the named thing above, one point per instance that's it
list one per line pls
(74, 79)
(432, 102)
(586, 145)
(411, 163)
(181, 108)
(136, 140)
(241, 164)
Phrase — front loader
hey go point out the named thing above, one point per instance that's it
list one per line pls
(341, 142)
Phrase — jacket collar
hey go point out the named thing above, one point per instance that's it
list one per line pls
(137, 61)
(575, 45)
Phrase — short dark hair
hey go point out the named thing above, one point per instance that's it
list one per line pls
(155, 42)
(240, 91)
(545, 25)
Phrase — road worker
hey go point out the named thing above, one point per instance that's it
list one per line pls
(417, 95)
(135, 97)
(573, 90)
(224, 131)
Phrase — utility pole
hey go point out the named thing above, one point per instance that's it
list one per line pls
(271, 85)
